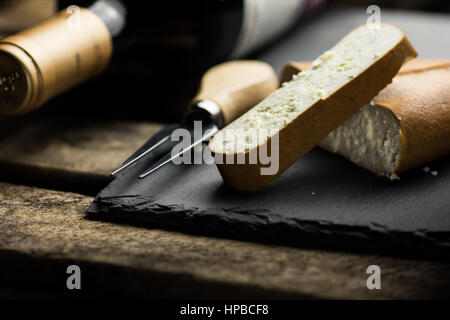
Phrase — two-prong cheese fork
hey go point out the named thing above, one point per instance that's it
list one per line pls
(227, 91)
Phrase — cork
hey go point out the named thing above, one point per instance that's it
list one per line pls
(50, 58)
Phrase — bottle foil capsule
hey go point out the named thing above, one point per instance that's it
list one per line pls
(50, 58)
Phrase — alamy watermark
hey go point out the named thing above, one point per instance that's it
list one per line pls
(374, 280)
(74, 280)
(73, 20)
(374, 20)
(266, 153)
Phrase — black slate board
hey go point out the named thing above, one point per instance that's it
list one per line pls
(322, 200)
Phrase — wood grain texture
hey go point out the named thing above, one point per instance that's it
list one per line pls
(42, 232)
(67, 153)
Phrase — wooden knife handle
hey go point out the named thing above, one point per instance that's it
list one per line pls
(237, 86)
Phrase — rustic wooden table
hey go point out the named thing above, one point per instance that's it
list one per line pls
(43, 231)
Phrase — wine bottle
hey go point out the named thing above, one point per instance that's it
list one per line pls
(167, 45)
(204, 31)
